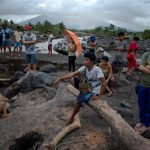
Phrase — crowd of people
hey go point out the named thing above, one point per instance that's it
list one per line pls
(26, 38)
(92, 79)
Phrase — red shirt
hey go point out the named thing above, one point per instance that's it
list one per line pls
(133, 47)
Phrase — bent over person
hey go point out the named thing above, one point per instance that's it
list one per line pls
(91, 85)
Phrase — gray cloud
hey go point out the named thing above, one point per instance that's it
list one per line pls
(84, 13)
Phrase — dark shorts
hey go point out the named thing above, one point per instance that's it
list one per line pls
(84, 98)
(30, 59)
(50, 47)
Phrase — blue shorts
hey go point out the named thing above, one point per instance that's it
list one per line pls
(30, 59)
(6, 43)
(84, 98)
(17, 44)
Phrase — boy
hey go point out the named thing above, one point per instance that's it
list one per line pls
(50, 38)
(107, 71)
(92, 82)
(120, 45)
(29, 40)
(18, 40)
(92, 44)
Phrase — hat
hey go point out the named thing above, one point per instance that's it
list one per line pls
(27, 27)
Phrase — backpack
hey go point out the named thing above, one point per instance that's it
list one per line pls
(7, 35)
(84, 86)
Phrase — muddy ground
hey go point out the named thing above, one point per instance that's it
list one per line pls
(35, 120)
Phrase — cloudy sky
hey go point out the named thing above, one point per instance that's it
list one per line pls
(134, 15)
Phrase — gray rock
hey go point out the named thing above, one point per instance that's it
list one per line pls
(48, 68)
(125, 113)
(28, 83)
(17, 76)
(125, 104)
(3, 68)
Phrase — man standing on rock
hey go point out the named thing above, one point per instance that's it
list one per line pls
(29, 40)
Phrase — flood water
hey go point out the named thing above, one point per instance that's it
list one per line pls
(43, 47)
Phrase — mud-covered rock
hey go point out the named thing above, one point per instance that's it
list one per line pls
(47, 68)
(3, 68)
(30, 82)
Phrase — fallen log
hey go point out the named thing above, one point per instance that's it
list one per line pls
(123, 130)
(52, 146)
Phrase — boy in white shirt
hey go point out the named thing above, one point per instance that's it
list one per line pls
(92, 82)
(18, 40)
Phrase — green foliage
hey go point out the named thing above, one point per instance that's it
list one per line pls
(58, 29)
(146, 34)
(39, 28)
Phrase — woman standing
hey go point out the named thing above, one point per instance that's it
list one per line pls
(71, 56)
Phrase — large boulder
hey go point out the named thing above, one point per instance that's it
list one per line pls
(30, 82)
(17, 76)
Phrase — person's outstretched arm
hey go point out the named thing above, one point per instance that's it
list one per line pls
(144, 69)
(67, 76)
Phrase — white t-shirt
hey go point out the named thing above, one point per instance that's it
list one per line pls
(93, 76)
(50, 37)
(18, 36)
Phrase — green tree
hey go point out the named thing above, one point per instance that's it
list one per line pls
(146, 34)
(61, 28)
